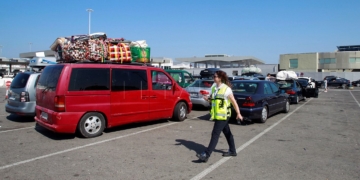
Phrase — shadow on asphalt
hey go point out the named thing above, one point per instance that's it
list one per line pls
(20, 119)
(53, 135)
(135, 125)
(193, 146)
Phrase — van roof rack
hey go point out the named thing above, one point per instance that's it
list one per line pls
(106, 62)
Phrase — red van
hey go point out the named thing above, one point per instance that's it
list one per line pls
(90, 97)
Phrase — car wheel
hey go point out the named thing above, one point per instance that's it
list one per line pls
(296, 100)
(264, 114)
(180, 112)
(91, 125)
(287, 107)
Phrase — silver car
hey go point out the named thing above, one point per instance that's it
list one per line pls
(198, 89)
(21, 97)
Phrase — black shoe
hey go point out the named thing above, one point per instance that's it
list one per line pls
(203, 157)
(227, 154)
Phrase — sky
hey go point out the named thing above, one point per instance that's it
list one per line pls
(187, 28)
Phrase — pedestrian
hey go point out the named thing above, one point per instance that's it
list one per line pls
(268, 77)
(220, 97)
(325, 85)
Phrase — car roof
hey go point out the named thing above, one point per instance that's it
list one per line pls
(250, 81)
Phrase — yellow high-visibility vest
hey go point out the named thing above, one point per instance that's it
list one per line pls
(220, 108)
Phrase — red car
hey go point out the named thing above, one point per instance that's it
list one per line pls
(89, 97)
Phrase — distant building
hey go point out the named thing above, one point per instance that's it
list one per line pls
(221, 61)
(344, 59)
(232, 65)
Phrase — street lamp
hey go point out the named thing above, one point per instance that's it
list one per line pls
(30, 46)
(89, 10)
(1, 50)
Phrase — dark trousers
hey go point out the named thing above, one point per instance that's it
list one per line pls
(225, 128)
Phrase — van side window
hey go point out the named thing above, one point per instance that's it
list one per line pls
(128, 79)
(89, 79)
(160, 81)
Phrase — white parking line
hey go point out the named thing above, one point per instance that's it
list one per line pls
(224, 159)
(17, 129)
(354, 98)
(80, 147)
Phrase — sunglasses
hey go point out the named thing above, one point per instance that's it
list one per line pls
(216, 76)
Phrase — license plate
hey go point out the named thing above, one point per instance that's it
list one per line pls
(12, 98)
(194, 95)
(44, 115)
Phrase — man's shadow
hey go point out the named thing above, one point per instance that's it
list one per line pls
(193, 146)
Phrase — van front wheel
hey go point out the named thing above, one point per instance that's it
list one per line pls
(180, 112)
(91, 125)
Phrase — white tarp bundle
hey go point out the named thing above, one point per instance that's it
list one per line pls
(251, 69)
(284, 75)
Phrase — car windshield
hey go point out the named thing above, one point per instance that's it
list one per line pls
(202, 83)
(284, 84)
(244, 87)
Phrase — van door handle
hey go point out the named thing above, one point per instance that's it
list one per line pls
(144, 97)
(153, 96)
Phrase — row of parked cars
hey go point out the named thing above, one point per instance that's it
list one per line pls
(89, 97)
(259, 99)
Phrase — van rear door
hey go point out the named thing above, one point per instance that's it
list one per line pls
(47, 85)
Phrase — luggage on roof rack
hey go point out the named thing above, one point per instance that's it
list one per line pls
(105, 62)
(286, 75)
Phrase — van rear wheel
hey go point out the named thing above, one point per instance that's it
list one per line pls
(91, 125)
(180, 112)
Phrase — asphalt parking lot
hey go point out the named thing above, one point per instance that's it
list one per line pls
(317, 139)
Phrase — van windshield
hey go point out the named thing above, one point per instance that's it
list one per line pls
(20, 80)
(49, 77)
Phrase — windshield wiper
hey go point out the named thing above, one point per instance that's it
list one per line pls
(47, 88)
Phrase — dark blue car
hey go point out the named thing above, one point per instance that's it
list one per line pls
(259, 99)
(293, 88)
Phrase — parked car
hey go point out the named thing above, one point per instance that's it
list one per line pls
(338, 82)
(293, 88)
(88, 97)
(308, 89)
(208, 73)
(1, 75)
(258, 100)
(246, 78)
(198, 89)
(311, 82)
(254, 74)
(182, 77)
(21, 97)
(356, 83)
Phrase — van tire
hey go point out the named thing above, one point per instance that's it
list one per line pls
(92, 124)
(180, 112)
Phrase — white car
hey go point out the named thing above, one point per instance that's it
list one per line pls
(310, 80)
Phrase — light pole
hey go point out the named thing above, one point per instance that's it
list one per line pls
(1, 50)
(30, 46)
(89, 10)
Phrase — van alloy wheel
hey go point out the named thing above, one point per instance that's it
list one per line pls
(180, 111)
(92, 124)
